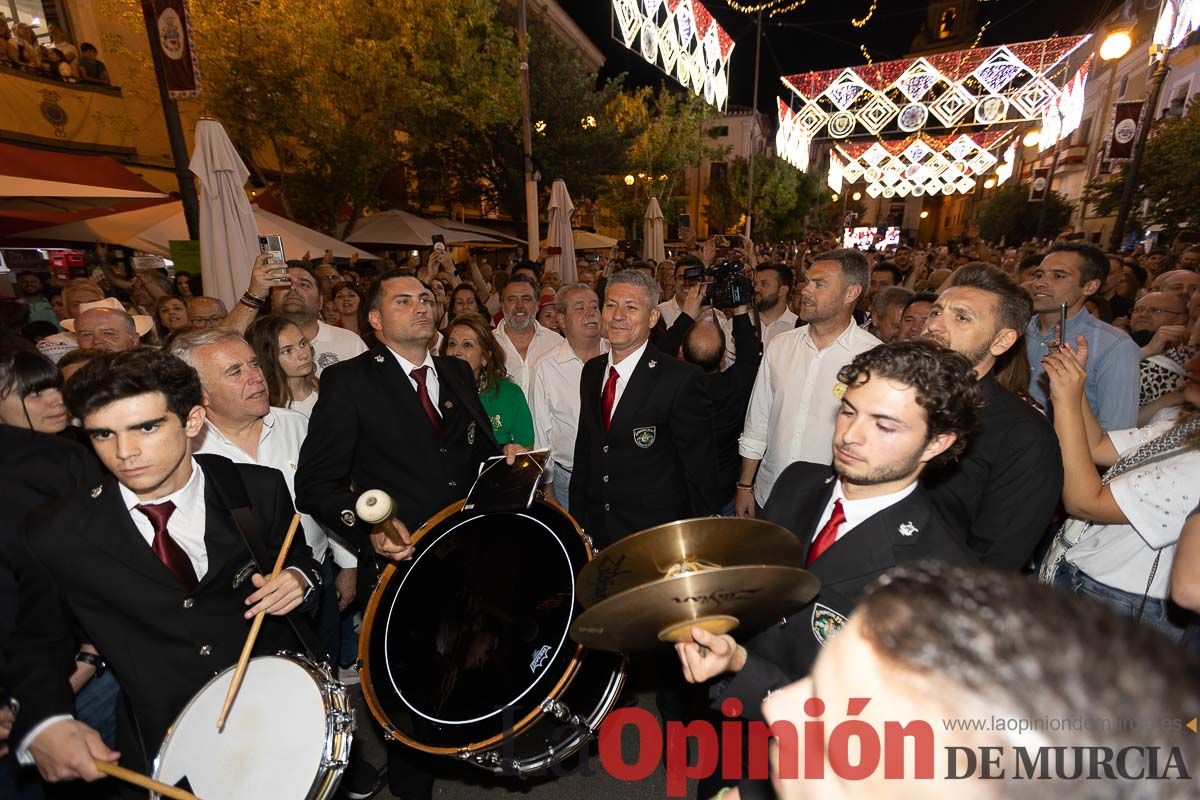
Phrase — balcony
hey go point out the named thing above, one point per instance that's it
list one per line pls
(65, 115)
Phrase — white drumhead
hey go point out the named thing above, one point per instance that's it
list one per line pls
(273, 740)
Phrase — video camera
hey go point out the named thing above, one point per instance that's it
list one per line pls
(728, 284)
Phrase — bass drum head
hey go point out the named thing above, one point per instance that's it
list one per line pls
(469, 638)
(272, 744)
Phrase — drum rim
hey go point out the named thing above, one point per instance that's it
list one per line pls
(321, 777)
(364, 650)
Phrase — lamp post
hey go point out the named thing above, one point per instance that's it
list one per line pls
(1139, 148)
(753, 125)
(531, 208)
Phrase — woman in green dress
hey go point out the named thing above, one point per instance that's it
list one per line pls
(470, 338)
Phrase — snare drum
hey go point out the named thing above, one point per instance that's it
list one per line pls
(287, 736)
(465, 651)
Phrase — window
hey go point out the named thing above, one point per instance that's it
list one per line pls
(38, 14)
(718, 131)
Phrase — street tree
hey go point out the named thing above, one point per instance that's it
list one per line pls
(1009, 215)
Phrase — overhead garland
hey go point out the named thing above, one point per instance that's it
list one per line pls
(975, 87)
(681, 38)
(919, 164)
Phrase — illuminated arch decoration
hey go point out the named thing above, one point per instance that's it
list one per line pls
(922, 164)
(681, 38)
(980, 88)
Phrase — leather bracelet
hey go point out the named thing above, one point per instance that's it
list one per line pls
(252, 300)
(92, 660)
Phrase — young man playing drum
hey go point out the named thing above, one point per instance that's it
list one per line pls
(152, 563)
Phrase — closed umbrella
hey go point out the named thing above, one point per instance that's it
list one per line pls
(652, 246)
(559, 234)
(228, 235)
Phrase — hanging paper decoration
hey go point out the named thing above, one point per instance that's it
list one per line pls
(1177, 19)
(681, 38)
(791, 141)
(1064, 113)
(979, 86)
(919, 164)
(835, 173)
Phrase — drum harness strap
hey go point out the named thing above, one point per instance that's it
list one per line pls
(232, 491)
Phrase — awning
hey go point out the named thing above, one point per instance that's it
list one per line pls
(402, 229)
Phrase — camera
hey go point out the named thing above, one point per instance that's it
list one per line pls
(728, 284)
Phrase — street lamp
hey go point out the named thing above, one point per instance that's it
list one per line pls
(924, 215)
(629, 180)
(1116, 45)
(1032, 138)
(856, 196)
(989, 183)
(835, 197)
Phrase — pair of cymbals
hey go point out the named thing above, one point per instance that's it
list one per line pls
(715, 573)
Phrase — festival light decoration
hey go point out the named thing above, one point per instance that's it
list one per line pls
(1005, 170)
(681, 38)
(922, 164)
(1063, 115)
(835, 173)
(1177, 19)
(975, 87)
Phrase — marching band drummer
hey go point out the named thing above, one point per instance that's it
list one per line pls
(151, 563)
(905, 407)
(398, 419)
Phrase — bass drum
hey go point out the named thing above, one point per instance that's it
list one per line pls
(465, 651)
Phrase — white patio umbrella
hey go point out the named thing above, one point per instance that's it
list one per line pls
(152, 229)
(652, 241)
(559, 234)
(228, 234)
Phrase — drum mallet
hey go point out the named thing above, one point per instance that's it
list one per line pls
(375, 508)
(244, 659)
(140, 780)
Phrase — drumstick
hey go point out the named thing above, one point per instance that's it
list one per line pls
(244, 658)
(142, 781)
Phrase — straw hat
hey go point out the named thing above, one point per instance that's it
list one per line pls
(143, 323)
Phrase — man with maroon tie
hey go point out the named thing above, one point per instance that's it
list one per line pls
(906, 407)
(645, 453)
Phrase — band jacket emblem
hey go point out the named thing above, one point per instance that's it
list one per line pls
(907, 529)
(348, 518)
(243, 573)
(825, 623)
(96, 492)
(644, 437)
(471, 433)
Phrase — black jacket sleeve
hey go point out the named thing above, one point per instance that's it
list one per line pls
(323, 486)
(672, 339)
(749, 355)
(692, 430)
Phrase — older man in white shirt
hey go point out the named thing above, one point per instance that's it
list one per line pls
(554, 389)
(523, 340)
(242, 426)
(797, 394)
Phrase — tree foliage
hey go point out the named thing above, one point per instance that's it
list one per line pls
(1167, 180)
(783, 197)
(1007, 214)
(335, 101)
(667, 133)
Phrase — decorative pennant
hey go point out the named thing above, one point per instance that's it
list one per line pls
(1125, 125)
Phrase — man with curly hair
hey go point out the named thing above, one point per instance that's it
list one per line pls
(906, 406)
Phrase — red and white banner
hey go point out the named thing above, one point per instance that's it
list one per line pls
(1126, 124)
(174, 33)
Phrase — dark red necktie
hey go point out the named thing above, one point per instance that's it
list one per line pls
(827, 534)
(167, 549)
(435, 419)
(609, 398)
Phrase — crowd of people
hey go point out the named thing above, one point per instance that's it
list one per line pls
(57, 59)
(1033, 411)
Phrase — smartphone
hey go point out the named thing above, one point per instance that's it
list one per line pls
(1062, 325)
(272, 245)
(685, 220)
(438, 239)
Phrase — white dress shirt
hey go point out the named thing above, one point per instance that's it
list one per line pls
(432, 385)
(186, 525)
(283, 432)
(544, 341)
(785, 323)
(857, 511)
(554, 402)
(624, 373)
(333, 344)
(795, 401)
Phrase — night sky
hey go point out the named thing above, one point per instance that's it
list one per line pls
(818, 36)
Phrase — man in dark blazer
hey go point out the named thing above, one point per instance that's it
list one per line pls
(906, 405)
(645, 453)
(152, 562)
(399, 419)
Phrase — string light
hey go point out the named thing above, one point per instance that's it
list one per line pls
(979, 35)
(858, 23)
(752, 9)
(787, 8)
(862, 48)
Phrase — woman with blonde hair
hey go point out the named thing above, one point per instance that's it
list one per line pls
(470, 339)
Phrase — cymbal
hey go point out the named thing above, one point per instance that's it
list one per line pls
(747, 598)
(706, 541)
